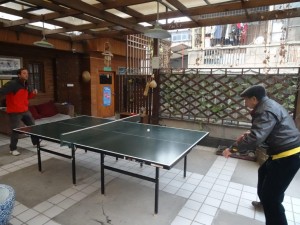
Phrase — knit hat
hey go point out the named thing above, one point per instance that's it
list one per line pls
(257, 91)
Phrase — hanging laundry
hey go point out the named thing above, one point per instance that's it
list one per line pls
(218, 34)
(227, 34)
(244, 34)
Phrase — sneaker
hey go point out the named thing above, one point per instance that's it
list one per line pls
(14, 152)
(257, 205)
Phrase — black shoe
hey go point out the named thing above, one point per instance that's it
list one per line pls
(257, 205)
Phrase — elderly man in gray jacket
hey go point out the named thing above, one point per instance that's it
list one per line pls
(275, 128)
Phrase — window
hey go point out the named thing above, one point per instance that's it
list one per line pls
(36, 76)
(181, 36)
(278, 33)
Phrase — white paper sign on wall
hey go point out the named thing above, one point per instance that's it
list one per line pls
(155, 62)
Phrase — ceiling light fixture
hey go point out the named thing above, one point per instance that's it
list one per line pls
(43, 43)
(157, 31)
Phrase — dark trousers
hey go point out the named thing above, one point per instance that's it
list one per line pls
(15, 121)
(274, 177)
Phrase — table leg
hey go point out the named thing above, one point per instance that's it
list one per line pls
(39, 155)
(102, 173)
(156, 190)
(73, 165)
(184, 167)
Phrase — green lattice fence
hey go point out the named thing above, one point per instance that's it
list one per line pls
(212, 95)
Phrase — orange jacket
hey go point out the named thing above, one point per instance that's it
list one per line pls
(17, 96)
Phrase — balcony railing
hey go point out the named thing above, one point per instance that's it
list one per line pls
(275, 55)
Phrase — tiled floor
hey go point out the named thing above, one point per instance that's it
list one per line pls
(205, 193)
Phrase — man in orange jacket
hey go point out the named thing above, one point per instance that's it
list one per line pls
(17, 99)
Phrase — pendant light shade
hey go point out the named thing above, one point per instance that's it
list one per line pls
(157, 31)
(43, 43)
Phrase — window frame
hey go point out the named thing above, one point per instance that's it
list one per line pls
(36, 75)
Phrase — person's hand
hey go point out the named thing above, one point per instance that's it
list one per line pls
(240, 138)
(35, 91)
(226, 153)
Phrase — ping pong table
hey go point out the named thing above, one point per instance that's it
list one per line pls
(157, 146)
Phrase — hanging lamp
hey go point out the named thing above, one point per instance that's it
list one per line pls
(157, 31)
(43, 43)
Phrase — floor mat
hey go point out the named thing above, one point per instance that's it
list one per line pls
(33, 187)
(123, 199)
(7, 158)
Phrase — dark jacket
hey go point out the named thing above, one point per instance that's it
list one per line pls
(17, 95)
(271, 126)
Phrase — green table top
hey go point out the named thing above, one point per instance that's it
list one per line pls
(158, 145)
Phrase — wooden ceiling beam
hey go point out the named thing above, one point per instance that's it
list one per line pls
(99, 18)
(50, 18)
(31, 18)
(36, 18)
(61, 11)
(114, 35)
(177, 4)
(115, 4)
(130, 12)
(89, 9)
(262, 16)
(83, 27)
(180, 7)
(14, 12)
(215, 8)
(225, 7)
(47, 5)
